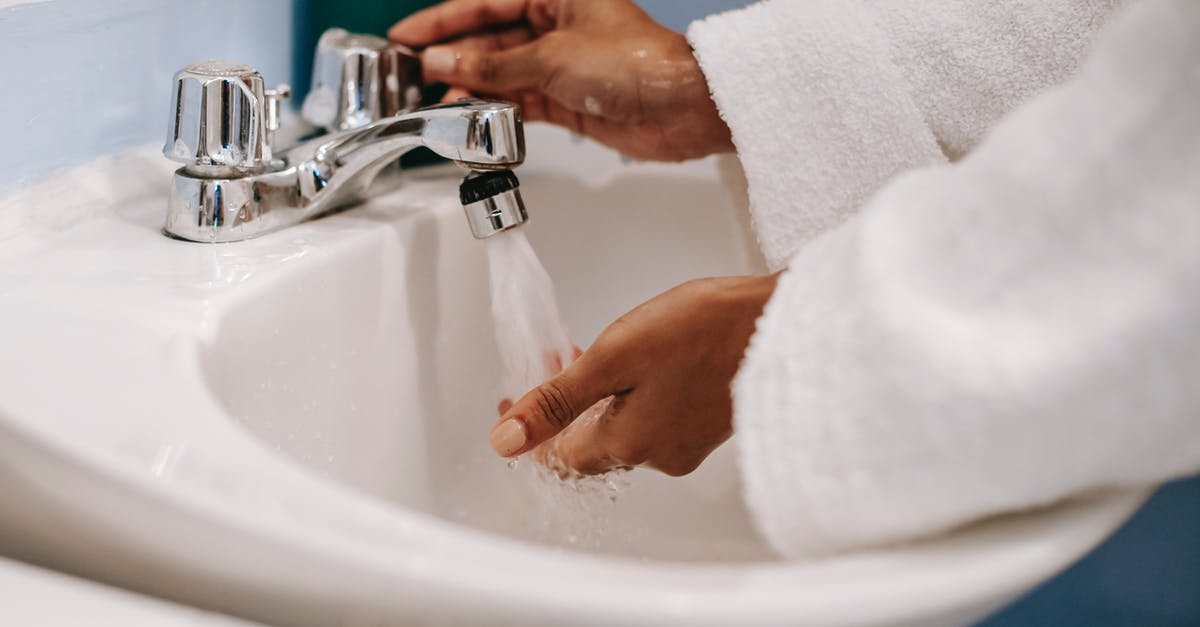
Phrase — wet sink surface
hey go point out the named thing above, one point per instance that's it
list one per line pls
(384, 375)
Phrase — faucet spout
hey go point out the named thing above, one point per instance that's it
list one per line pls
(476, 134)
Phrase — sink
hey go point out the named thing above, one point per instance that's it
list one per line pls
(293, 429)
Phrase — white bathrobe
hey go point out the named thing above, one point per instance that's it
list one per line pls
(989, 212)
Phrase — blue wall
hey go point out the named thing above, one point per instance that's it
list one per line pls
(678, 14)
(83, 78)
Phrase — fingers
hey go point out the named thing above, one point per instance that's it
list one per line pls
(455, 18)
(591, 446)
(534, 106)
(498, 40)
(549, 408)
(454, 94)
(486, 71)
(495, 40)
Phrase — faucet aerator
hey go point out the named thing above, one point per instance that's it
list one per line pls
(492, 201)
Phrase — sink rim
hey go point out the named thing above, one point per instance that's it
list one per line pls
(679, 589)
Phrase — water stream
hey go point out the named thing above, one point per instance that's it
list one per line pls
(534, 345)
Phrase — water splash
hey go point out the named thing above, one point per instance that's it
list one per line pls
(569, 509)
(573, 511)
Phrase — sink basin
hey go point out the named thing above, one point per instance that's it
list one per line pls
(293, 429)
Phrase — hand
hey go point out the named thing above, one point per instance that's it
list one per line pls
(667, 364)
(602, 68)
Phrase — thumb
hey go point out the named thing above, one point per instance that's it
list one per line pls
(549, 408)
(481, 70)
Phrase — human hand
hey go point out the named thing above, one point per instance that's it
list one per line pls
(602, 68)
(667, 364)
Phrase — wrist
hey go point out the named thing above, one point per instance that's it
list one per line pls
(705, 128)
(756, 291)
(710, 127)
(674, 93)
(741, 301)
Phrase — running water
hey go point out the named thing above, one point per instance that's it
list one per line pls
(533, 341)
(534, 346)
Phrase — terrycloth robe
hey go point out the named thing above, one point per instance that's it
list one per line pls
(989, 215)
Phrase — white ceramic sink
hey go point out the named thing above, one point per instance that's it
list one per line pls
(293, 429)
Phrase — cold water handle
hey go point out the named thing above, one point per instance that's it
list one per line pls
(222, 116)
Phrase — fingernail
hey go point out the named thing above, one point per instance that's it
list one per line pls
(508, 437)
(439, 60)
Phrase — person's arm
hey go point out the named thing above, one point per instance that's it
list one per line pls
(828, 100)
(1000, 333)
(990, 335)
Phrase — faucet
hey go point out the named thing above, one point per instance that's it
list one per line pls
(235, 184)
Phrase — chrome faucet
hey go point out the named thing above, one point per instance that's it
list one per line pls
(235, 184)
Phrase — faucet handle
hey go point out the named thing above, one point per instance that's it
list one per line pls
(358, 79)
(222, 115)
